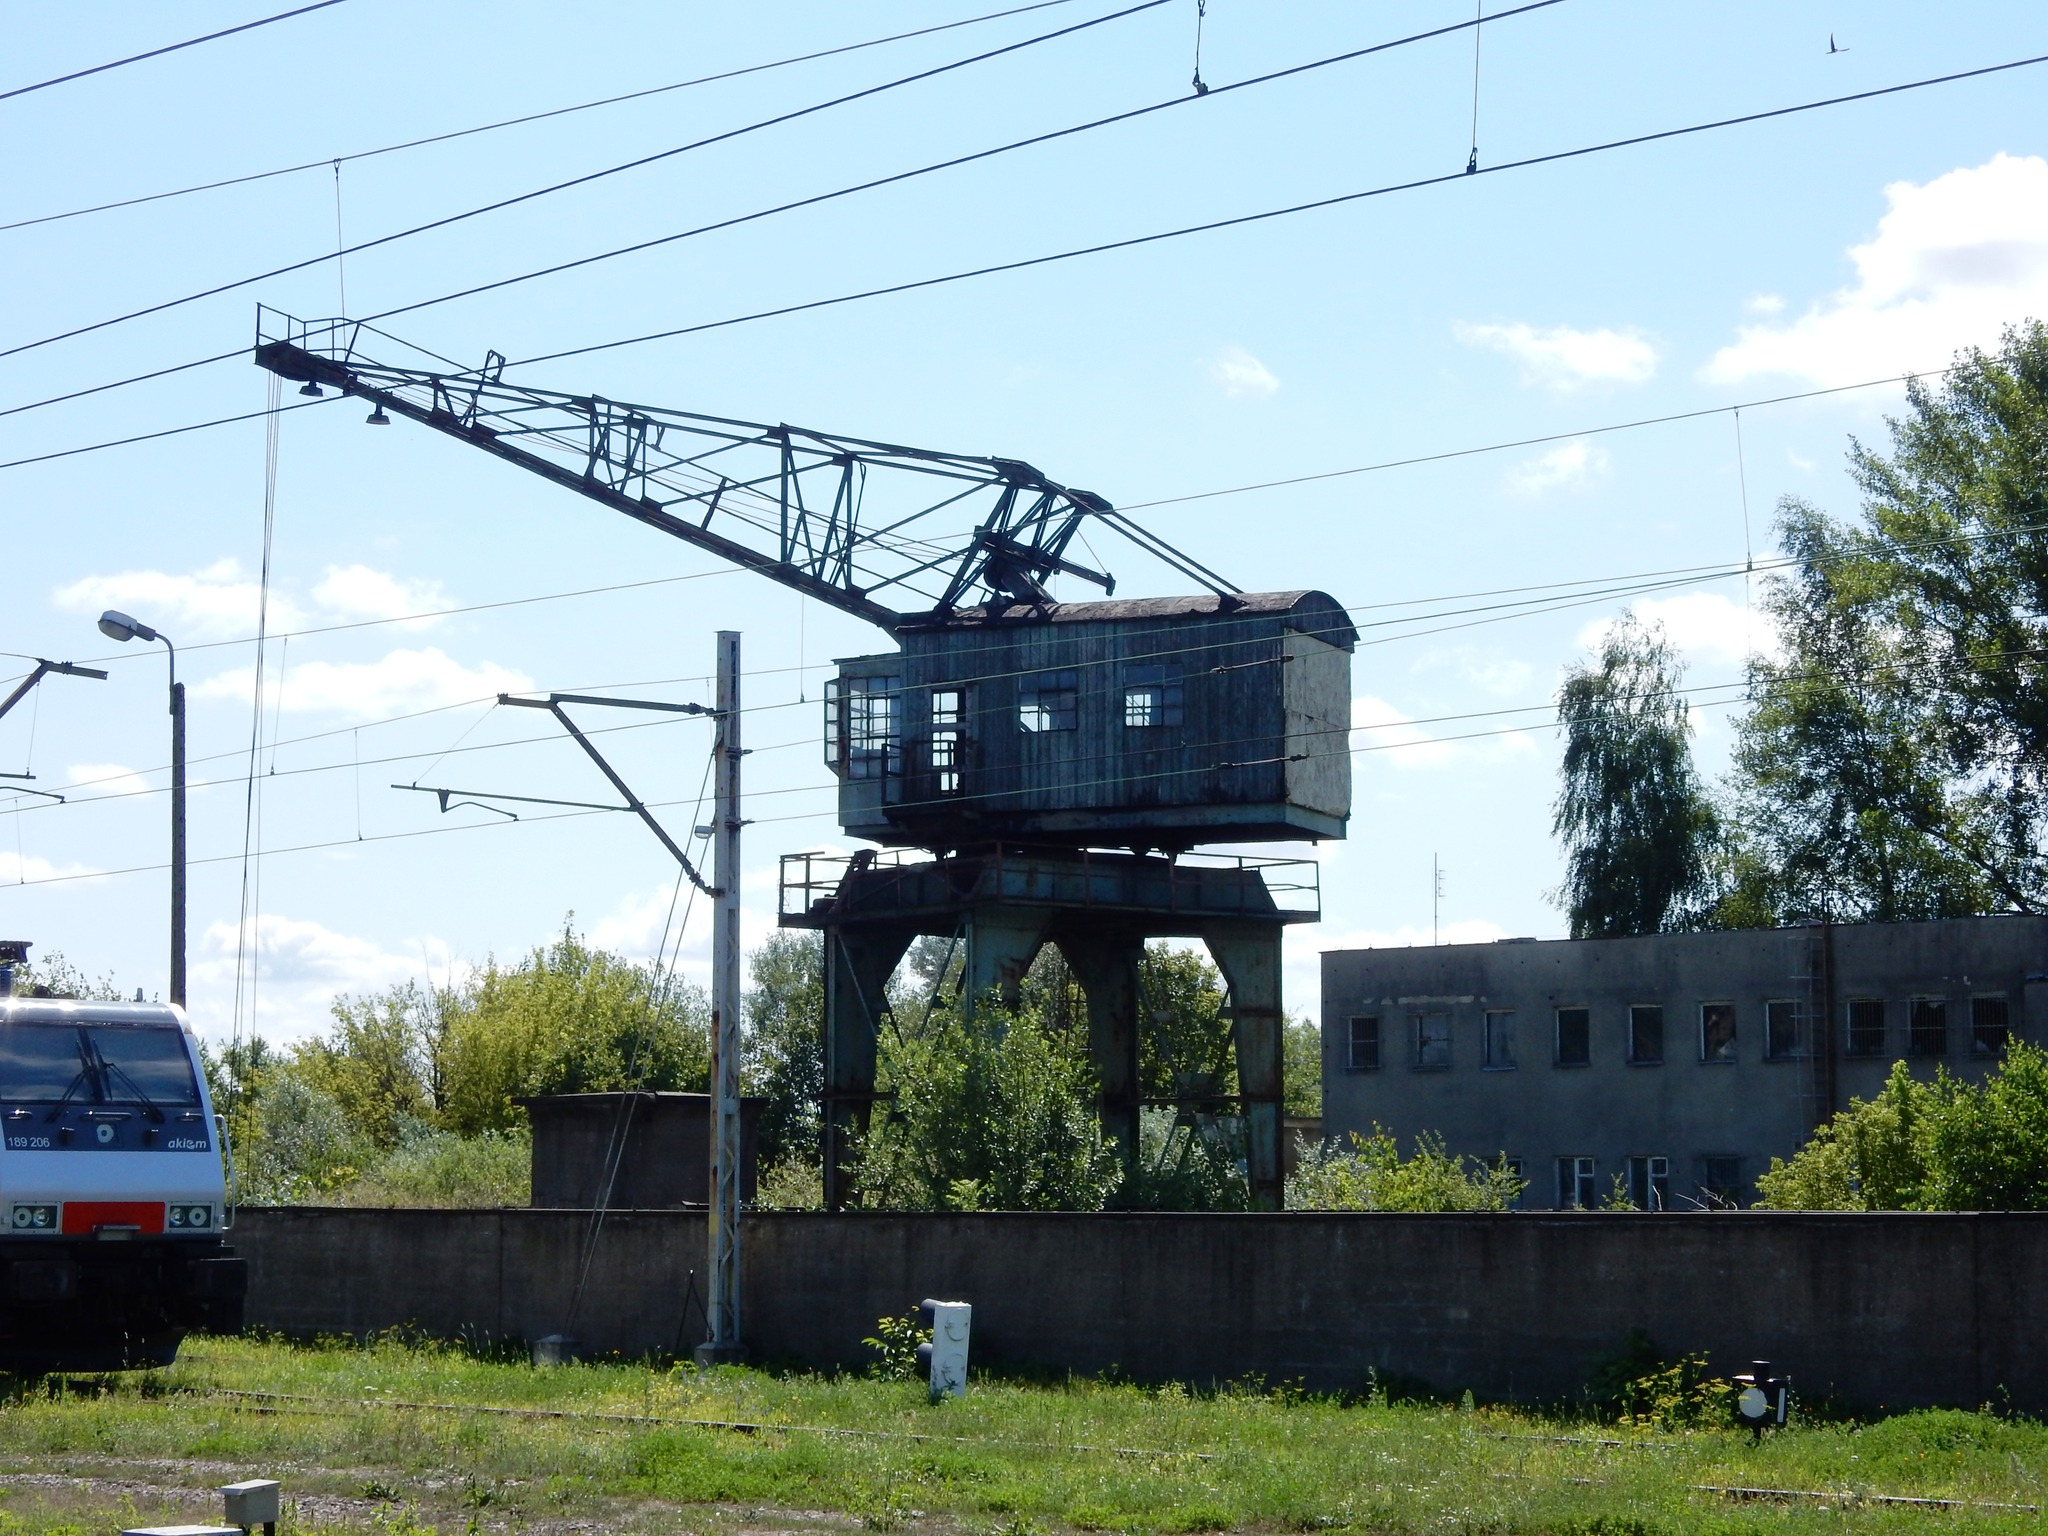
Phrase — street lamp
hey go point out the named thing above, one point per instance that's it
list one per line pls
(118, 626)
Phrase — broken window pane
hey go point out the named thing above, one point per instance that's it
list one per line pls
(1574, 1037)
(1717, 1031)
(1646, 1033)
(1927, 1027)
(1866, 1027)
(1432, 1040)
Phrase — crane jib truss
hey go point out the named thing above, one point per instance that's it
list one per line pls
(888, 533)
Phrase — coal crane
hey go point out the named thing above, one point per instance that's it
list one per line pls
(1036, 771)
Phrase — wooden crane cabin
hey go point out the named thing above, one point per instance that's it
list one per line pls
(1155, 723)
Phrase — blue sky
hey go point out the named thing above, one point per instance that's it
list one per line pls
(1691, 275)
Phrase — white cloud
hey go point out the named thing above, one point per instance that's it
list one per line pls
(215, 603)
(1242, 376)
(301, 966)
(1384, 732)
(1765, 304)
(359, 592)
(1564, 359)
(106, 779)
(1951, 263)
(1565, 467)
(1708, 627)
(20, 868)
(396, 683)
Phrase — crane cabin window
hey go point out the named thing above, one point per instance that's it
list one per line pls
(1153, 698)
(863, 728)
(948, 739)
(1049, 701)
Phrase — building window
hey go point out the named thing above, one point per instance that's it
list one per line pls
(1500, 1038)
(1152, 697)
(1432, 1041)
(863, 736)
(1927, 1029)
(1362, 1048)
(1717, 1031)
(1514, 1166)
(1989, 1029)
(949, 739)
(1574, 1037)
(1649, 1183)
(1721, 1180)
(1646, 1034)
(1049, 702)
(1784, 1033)
(1575, 1185)
(1866, 1027)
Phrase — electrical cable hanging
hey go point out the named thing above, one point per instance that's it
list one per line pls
(1748, 554)
(1478, 16)
(1201, 12)
(340, 246)
(246, 955)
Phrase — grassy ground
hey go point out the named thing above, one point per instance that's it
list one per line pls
(345, 1429)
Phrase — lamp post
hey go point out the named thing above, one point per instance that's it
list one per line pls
(119, 626)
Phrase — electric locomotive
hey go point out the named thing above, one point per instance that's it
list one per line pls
(113, 1191)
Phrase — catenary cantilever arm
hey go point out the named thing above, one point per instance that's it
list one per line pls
(553, 705)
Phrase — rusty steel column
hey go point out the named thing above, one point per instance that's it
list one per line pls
(1107, 968)
(1248, 955)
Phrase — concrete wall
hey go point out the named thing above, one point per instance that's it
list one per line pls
(1681, 1108)
(1892, 1310)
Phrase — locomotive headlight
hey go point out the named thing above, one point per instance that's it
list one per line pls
(34, 1218)
(188, 1218)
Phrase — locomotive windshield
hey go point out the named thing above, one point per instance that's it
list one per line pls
(96, 1063)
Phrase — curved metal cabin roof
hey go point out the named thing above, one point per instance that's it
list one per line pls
(71, 1010)
(1309, 611)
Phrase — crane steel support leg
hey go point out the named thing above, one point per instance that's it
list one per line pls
(1107, 968)
(858, 964)
(1248, 955)
(1001, 944)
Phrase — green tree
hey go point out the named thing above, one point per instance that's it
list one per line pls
(1895, 765)
(1636, 827)
(568, 1019)
(785, 1057)
(1303, 1070)
(996, 1113)
(383, 1061)
(1369, 1174)
(1940, 1145)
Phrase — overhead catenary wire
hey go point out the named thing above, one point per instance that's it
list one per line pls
(1091, 250)
(157, 53)
(529, 117)
(735, 221)
(1242, 220)
(589, 177)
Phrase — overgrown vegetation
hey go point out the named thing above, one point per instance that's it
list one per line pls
(359, 1453)
(1928, 1145)
(411, 1097)
(1369, 1174)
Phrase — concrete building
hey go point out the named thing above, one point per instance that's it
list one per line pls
(1679, 1063)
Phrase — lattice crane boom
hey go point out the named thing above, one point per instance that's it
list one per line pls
(889, 533)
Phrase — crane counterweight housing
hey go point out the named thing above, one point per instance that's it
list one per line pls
(112, 1188)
